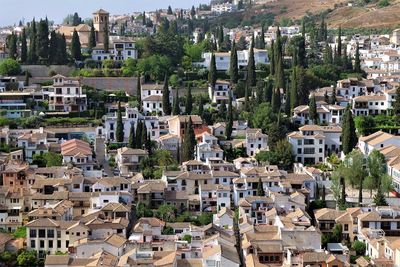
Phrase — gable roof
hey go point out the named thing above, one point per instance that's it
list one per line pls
(75, 147)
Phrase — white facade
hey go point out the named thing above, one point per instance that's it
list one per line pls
(223, 59)
(120, 49)
(255, 141)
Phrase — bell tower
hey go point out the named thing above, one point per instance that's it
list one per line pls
(100, 23)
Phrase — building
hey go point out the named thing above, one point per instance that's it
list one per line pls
(256, 141)
(327, 114)
(152, 98)
(312, 143)
(120, 48)
(128, 160)
(65, 95)
(223, 8)
(79, 153)
(378, 141)
(223, 59)
(220, 93)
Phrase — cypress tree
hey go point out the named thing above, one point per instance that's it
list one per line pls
(212, 75)
(165, 98)
(233, 69)
(144, 18)
(302, 90)
(175, 107)
(139, 129)
(294, 99)
(12, 46)
(260, 93)
(246, 98)
(43, 41)
(32, 57)
(132, 137)
(189, 101)
(327, 56)
(279, 69)
(139, 92)
(301, 53)
(357, 62)
(262, 37)
(268, 91)
(92, 39)
(53, 48)
(276, 100)
(119, 133)
(251, 66)
(143, 137)
(288, 109)
(349, 136)
(147, 144)
(272, 58)
(106, 41)
(76, 46)
(229, 124)
(189, 141)
(339, 47)
(333, 97)
(260, 189)
(313, 110)
(62, 56)
(26, 78)
(201, 107)
(24, 47)
(396, 104)
(303, 29)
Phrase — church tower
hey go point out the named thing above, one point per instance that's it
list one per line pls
(100, 23)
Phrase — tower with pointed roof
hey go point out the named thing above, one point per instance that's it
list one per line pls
(100, 23)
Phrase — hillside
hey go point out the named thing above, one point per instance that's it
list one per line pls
(370, 16)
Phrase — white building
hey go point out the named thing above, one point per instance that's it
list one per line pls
(378, 141)
(65, 95)
(208, 148)
(128, 160)
(312, 143)
(374, 104)
(152, 98)
(256, 141)
(223, 59)
(327, 114)
(220, 93)
(120, 48)
(223, 8)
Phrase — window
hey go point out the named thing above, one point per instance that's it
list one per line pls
(50, 233)
(32, 233)
(41, 243)
(50, 243)
(42, 233)
(346, 227)
(33, 243)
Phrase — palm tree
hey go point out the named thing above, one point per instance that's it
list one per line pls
(163, 158)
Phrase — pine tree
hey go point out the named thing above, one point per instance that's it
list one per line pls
(92, 39)
(349, 136)
(106, 41)
(260, 189)
(229, 123)
(175, 107)
(165, 98)
(396, 104)
(189, 141)
(189, 101)
(32, 56)
(276, 100)
(76, 46)
(357, 62)
(212, 75)
(234, 69)
(251, 66)
(313, 110)
(24, 47)
(12, 46)
(119, 132)
(43, 41)
(132, 137)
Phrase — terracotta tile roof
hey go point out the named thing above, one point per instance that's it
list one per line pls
(75, 147)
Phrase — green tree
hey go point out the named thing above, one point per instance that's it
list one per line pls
(349, 136)
(229, 123)
(53, 45)
(175, 107)
(272, 58)
(165, 97)
(189, 141)
(32, 56)
(119, 133)
(92, 39)
(189, 101)
(359, 247)
(354, 171)
(166, 213)
(233, 69)
(357, 62)
(313, 110)
(24, 47)
(163, 158)
(294, 100)
(337, 233)
(139, 131)
(76, 46)
(9, 67)
(275, 134)
(339, 47)
(396, 104)
(251, 66)
(212, 74)
(260, 189)
(27, 258)
(12, 46)
(106, 41)
(139, 91)
(132, 137)
(43, 41)
(143, 210)
(276, 100)
(52, 159)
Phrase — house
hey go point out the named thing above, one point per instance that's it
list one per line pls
(378, 141)
(128, 160)
(177, 124)
(220, 93)
(152, 98)
(312, 143)
(223, 59)
(170, 142)
(79, 153)
(65, 95)
(120, 48)
(373, 104)
(208, 148)
(256, 141)
(33, 143)
(327, 114)
(223, 8)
